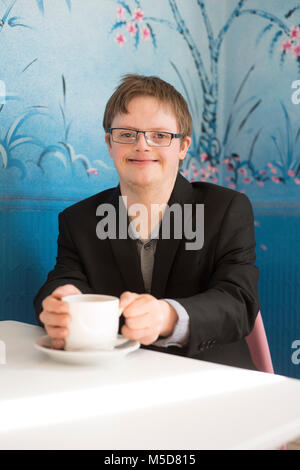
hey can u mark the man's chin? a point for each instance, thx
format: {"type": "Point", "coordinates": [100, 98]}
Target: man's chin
{"type": "Point", "coordinates": [145, 182]}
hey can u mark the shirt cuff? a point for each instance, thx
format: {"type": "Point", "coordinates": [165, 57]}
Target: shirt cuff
{"type": "Point", "coordinates": [181, 332]}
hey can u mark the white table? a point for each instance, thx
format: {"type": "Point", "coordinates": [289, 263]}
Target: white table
{"type": "Point", "coordinates": [147, 400]}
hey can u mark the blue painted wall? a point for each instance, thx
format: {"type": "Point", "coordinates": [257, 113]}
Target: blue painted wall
{"type": "Point", "coordinates": [235, 63]}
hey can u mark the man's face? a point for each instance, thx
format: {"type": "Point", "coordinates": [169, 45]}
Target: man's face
{"type": "Point", "coordinates": [138, 164]}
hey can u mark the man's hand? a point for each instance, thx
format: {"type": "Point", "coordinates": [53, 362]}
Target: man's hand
{"type": "Point", "coordinates": [55, 314]}
{"type": "Point", "coordinates": [146, 318]}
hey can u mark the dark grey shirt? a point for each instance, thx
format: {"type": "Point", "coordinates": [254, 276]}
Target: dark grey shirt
{"type": "Point", "coordinates": [146, 251]}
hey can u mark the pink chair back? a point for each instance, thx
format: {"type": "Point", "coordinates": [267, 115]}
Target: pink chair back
{"type": "Point", "coordinates": [259, 350]}
{"type": "Point", "coordinates": [259, 347]}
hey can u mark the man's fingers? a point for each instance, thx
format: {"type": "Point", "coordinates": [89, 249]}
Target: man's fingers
{"type": "Point", "coordinates": [54, 319]}
{"type": "Point", "coordinates": [56, 332]}
{"type": "Point", "coordinates": [55, 314]}
{"type": "Point", "coordinates": [134, 335]}
{"type": "Point", "coordinates": [67, 289]}
{"type": "Point", "coordinates": [58, 343]}
{"type": "Point", "coordinates": [139, 306]}
{"type": "Point", "coordinates": [139, 322]}
{"type": "Point", "coordinates": [51, 304]}
{"type": "Point", "coordinates": [127, 298]}
{"type": "Point", "coordinates": [143, 336]}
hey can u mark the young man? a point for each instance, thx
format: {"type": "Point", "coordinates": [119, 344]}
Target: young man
{"type": "Point", "coordinates": [198, 301]}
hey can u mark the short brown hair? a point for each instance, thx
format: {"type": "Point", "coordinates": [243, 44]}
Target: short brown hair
{"type": "Point", "coordinates": [133, 85]}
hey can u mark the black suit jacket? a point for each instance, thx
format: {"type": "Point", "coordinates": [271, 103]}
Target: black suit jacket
{"type": "Point", "coordinates": [217, 284]}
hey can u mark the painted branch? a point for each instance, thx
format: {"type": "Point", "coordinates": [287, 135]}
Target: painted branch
{"type": "Point", "coordinates": [227, 25]}
{"type": "Point", "coordinates": [237, 13]}
{"type": "Point", "coordinates": [207, 23]}
{"type": "Point", "coordinates": [181, 27]}
{"type": "Point", "coordinates": [267, 16]}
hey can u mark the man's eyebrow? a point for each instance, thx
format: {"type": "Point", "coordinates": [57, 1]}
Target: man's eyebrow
{"type": "Point", "coordinates": [151, 129]}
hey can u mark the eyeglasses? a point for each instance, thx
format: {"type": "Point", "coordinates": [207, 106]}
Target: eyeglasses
{"type": "Point", "coordinates": [153, 138]}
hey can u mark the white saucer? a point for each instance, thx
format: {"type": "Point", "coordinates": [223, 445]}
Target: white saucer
{"type": "Point", "coordinates": [123, 347]}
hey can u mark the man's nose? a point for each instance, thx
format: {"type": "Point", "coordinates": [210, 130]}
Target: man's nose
{"type": "Point", "coordinates": [141, 142]}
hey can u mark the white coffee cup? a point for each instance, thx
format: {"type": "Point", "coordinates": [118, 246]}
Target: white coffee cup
{"type": "Point", "coordinates": [94, 322]}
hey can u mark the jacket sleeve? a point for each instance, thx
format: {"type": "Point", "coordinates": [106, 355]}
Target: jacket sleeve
{"type": "Point", "coordinates": [68, 268]}
{"type": "Point", "coordinates": [226, 311]}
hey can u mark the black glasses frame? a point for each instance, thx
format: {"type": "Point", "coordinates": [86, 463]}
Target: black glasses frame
{"type": "Point", "coordinates": [173, 136]}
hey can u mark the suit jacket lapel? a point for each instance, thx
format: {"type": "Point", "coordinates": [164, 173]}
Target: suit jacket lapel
{"type": "Point", "coordinates": [125, 250]}
{"type": "Point", "coordinates": [166, 249]}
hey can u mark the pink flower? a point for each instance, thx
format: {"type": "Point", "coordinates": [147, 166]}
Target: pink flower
{"type": "Point", "coordinates": [270, 165]}
{"type": "Point", "coordinates": [214, 169]}
{"type": "Point", "coordinates": [294, 33]}
{"type": "Point", "coordinates": [275, 179]}
{"type": "Point", "coordinates": [264, 247]}
{"type": "Point", "coordinates": [205, 173]}
{"type": "Point", "coordinates": [131, 28]}
{"type": "Point", "coordinates": [256, 223]}
{"type": "Point", "coordinates": [138, 14]}
{"type": "Point", "coordinates": [120, 13]}
{"type": "Point", "coordinates": [243, 171]}
{"type": "Point", "coordinates": [193, 166]}
{"type": "Point", "coordinates": [273, 170]}
{"type": "Point", "coordinates": [192, 180]}
{"type": "Point", "coordinates": [226, 160]}
{"type": "Point", "coordinates": [203, 157]}
{"type": "Point", "coordinates": [229, 168]}
{"type": "Point", "coordinates": [121, 39]}
{"type": "Point", "coordinates": [286, 46]}
{"type": "Point", "coordinates": [228, 178]}
{"type": "Point", "coordinates": [247, 180]}
{"type": "Point", "coordinates": [260, 183]}
{"type": "Point", "coordinates": [232, 186]}
{"type": "Point", "coordinates": [297, 180]}
{"type": "Point", "coordinates": [296, 51]}
{"type": "Point", "coordinates": [291, 173]}
{"type": "Point", "coordinates": [196, 173]}
{"type": "Point", "coordinates": [186, 172]}
{"type": "Point", "coordinates": [146, 33]}
{"type": "Point", "coordinates": [215, 180]}
{"type": "Point", "coordinates": [92, 171]}
{"type": "Point", "coordinates": [262, 172]}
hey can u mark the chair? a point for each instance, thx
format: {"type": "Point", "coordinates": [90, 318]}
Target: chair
{"type": "Point", "coordinates": [259, 348]}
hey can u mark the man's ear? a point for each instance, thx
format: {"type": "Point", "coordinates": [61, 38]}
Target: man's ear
{"type": "Point", "coordinates": [108, 143]}
{"type": "Point", "coordinates": [184, 145]}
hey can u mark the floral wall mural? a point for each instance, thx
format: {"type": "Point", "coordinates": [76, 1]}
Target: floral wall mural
{"type": "Point", "coordinates": [209, 149]}
{"type": "Point", "coordinates": [212, 156]}
{"type": "Point", "coordinates": [237, 63]}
